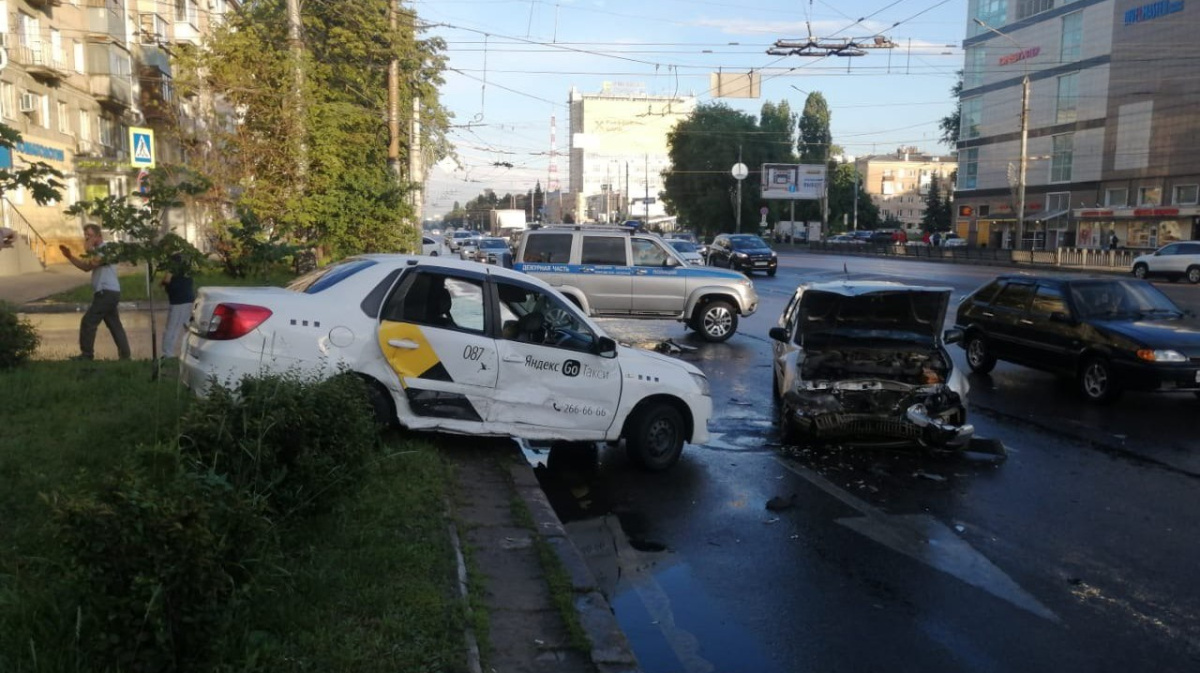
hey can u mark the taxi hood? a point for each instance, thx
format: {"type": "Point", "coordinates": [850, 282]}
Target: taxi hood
{"type": "Point", "coordinates": [868, 310]}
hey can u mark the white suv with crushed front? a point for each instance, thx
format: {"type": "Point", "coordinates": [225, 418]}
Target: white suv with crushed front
{"type": "Point", "coordinates": [612, 272]}
{"type": "Point", "coordinates": [456, 347]}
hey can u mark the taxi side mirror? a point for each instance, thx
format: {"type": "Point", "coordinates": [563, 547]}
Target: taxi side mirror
{"type": "Point", "coordinates": [606, 347]}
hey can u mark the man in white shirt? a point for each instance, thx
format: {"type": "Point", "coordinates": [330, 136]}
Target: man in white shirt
{"type": "Point", "coordinates": [106, 295]}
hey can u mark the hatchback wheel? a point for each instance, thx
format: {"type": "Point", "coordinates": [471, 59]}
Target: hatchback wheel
{"type": "Point", "coordinates": [1096, 382]}
{"type": "Point", "coordinates": [979, 356]}
{"type": "Point", "coordinates": [655, 439]}
{"type": "Point", "coordinates": [717, 321]}
{"type": "Point", "coordinates": [1140, 270]}
{"type": "Point", "coordinates": [1193, 274]}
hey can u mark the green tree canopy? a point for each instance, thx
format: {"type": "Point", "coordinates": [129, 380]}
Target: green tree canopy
{"type": "Point", "coordinates": [951, 123]}
{"type": "Point", "coordinates": [815, 138]}
{"type": "Point", "coordinates": [841, 201]}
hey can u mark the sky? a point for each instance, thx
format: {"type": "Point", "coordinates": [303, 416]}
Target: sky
{"type": "Point", "coordinates": [512, 63]}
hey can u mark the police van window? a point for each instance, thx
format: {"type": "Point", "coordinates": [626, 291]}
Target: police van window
{"type": "Point", "coordinates": [548, 249]}
{"type": "Point", "coordinates": [608, 250]}
{"type": "Point", "coordinates": [648, 253]}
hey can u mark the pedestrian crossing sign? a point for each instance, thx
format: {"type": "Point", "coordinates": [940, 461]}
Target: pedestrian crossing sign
{"type": "Point", "coordinates": [141, 147]}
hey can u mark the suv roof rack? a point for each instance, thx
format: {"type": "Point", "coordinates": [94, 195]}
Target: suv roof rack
{"type": "Point", "coordinates": [622, 229]}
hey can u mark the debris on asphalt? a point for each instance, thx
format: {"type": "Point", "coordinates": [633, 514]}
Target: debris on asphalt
{"type": "Point", "coordinates": [928, 475]}
{"type": "Point", "coordinates": [780, 503]}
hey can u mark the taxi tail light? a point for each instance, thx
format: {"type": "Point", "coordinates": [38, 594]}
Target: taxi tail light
{"type": "Point", "coordinates": [231, 321]}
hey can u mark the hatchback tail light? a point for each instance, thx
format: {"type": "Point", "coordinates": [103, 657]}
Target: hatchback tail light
{"type": "Point", "coordinates": [230, 321]}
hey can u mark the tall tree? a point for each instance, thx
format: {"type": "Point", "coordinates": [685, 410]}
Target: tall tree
{"type": "Point", "coordinates": [351, 202]}
{"type": "Point", "coordinates": [951, 123]}
{"type": "Point", "coordinates": [698, 188]}
{"type": "Point", "coordinates": [815, 137]}
{"type": "Point", "coordinates": [841, 200]}
{"type": "Point", "coordinates": [937, 205]}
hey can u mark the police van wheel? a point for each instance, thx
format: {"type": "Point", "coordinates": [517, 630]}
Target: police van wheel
{"type": "Point", "coordinates": [716, 321]}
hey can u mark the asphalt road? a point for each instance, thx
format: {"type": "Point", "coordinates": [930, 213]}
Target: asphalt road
{"type": "Point", "coordinates": [1077, 553]}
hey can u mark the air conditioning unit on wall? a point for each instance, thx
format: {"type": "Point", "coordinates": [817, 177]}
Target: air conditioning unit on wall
{"type": "Point", "coordinates": [28, 103]}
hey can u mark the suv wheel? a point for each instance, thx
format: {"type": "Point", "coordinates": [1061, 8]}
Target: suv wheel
{"type": "Point", "coordinates": [1193, 274]}
{"type": "Point", "coordinates": [1140, 270]}
{"type": "Point", "coordinates": [716, 321]}
{"type": "Point", "coordinates": [1096, 382]}
{"type": "Point", "coordinates": [979, 356]}
{"type": "Point", "coordinates": [655, 439]}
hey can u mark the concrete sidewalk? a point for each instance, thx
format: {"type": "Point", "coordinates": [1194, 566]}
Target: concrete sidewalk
{"type": "Point", "coordinates": [34, 285]}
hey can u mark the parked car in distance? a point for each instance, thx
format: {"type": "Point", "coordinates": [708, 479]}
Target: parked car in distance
{"type": "Point", "coordinates": [430, 246]}
{"type": "Point", "coordinates": [953, 241]}
{"type": "Point", "coordinates": [1173, 261]}
{"type": "Point", "coordinates": [615, 272]}
{"type": "Point", "coordinates": [845, 239]}
{"type": "Point", "coordinates": [455, 240]}
{"type": "Point", "coordinates": [743, 252]}
{"type": "Point", "coordinates": [701, 247]}
{"type": "Point", "coordinates": [1108, 334]}
{"type": "Point", "coordinates": [491, 250]}
{"type": "Point", "coordinates": [864, 362]}
{"type": "Point", "coordinates": [689, 251]}
{"type": "Point", "coordinates": [454, 347]}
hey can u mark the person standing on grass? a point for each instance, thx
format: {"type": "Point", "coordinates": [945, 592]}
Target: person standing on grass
{"type": "Point", "coordinates": [106, 295]}
{"type": "Point", "coordinates": [180, 293]}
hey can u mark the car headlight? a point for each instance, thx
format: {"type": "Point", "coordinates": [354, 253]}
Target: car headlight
{"type": "Point", "coordinates": [740, 255]}
{"type": "Point", "coordinates": [1161, 355]}
{"type": "Point", "coordinates": [702, 382]}
{"type": "Point", "coordinates": [772, 254]}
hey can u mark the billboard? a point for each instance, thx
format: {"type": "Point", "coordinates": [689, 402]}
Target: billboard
{"type": "Point", "coordinates": [735, 84]}
{"type": "Point", "coordinates": [793, 182]}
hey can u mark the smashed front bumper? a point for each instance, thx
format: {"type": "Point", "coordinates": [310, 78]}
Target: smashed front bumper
{"type": "Point", "coordinates": [824, 419]}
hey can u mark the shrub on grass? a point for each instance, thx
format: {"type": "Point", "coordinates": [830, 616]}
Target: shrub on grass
{"type": "Point", "coordinates": [296, 442]}
{"type": "Point", "coordinates": [18, 338]}
{"type": "Point", "coordinates": [159, 567]}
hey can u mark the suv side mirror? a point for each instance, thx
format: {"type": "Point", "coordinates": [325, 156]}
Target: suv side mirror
{"type": "Point", "coordinates": [778, 334]}
{"type": "Point", "coordinates": [606, 347]}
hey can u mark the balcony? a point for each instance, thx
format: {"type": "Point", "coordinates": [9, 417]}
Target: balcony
{"type": "Point", "coordinates": [186, 32]}
{"type": "Point", "coordinates": [157, 95]}
{"type": "Point", "coordinates": [41, 61]}
{"type": "Point", "coordinates": [104, 23]}
{"type": "Point", "coordinates": [44, 4]}
{"type": "Point", "coordinates": [112, 91]}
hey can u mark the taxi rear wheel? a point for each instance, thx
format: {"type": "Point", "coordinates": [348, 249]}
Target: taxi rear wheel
{"type": "Point", "coordinates": [655, 437]}
{"type": "Point", "coordinates": [716, 321]}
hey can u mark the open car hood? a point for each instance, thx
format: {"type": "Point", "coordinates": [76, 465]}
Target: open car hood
{"type": "Point", "coordinates": [865, 311]}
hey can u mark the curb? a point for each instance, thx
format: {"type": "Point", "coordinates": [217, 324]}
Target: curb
{"type": "Point", "coordinates": [68, 307]}
{"type": "Point", "coordinates": [611, 651]}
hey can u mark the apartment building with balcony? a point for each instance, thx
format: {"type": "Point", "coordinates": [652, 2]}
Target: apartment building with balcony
{"type": "Point", "coordinates": [80, 73]}
{"type": "Point", "coordinates": [1112, 140]}
{"type": "Point", "coordinates": [898, 183]}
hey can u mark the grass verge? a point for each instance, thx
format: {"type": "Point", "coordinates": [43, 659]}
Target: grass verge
{"type": "Point", "coordinates": [561, 592]}
{"type": "Point", "coordinates": [366, 586]}
{"type": "Point", "coordinates": [133, 284]}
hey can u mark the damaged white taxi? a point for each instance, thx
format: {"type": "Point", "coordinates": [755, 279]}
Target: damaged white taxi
{"type": "Point", "coordinates": [864, 363]}
{"type": "Point", "coordinates": [455, 347]}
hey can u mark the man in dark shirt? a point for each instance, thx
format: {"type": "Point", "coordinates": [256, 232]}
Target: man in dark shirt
{"type": "Point", "coordinates": [180, 293]}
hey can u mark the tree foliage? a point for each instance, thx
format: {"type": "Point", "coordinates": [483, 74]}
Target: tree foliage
{"type": "Point", "coordinates": [699, 188]}
{"type": "Point", "coordinates": [951, 123]}
{"type": "Point", "coordinates": [344, 197]}
{"type": "Point", "coordinates": [815, 138]}
{"type": "Point", "coordinates": [937, 205]}
{"type": "Point", "coordinates": [841, 201]}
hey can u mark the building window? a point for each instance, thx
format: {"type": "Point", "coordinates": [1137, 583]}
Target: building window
{"type": "Point", "coordinates": [1030, 7]}
{"type": "Point", "coordinates": [85, 126]}
{"type": "Point", "coordinates": [185, 12]}
{"type": "Point", "coordinates": [108, 131]}
{"type": "Point", "coordinates": [1072, 37]}
{"type": "Point", "coordinates": [64, 118]}
{"type": "Point", "coordinates": [8, 100]}
{"type": "Point", "coordinates": [1117, 196]}
{"type": "Point", "coordinates": [1149, 196]}
{"type": "Point", "coordinates": [80, 61]}
{"type": "Point", "coordinates": [968, 161]}
{"type": "Point", "coordinates": [992, 12]}
{"type": "Point", "coordinates": [45, 112]}
{"type": "Point", "coordinates": [1057, 202]}
{"type": "Point", "coordinates": [1068, 98]}
{"type": "Point", "coordinates": [1061, 157]}
{"type": "Point", "coordinates": [1186, 195]}
{"type": "Point", "coordinates": [973, 72]}
{"type": "Point", "coordinates": [972, 116]}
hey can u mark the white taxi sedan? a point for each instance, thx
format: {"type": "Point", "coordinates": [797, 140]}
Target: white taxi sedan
{"type": "Point", "coordinates": [455, 347]}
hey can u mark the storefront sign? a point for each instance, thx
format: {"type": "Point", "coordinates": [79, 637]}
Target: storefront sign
{"type": "Point", "coordinates": [1020, 55]}
{"type": "Point", "coordinates": [41, 151]}
{"type": "Point", "coordinates": [1153, 10]}
{"type": "Point", "coordinates": [1155, 212]}
{"type": "Point", "coordinates": [1096, 213]}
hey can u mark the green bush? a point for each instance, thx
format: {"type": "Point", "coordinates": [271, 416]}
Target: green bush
{"type": "Point", "coordinates": [296, 442]}
{"type": "Point", "coordinates": [18, 338]}
{"type": "Point", "coordinates": [158, 568]}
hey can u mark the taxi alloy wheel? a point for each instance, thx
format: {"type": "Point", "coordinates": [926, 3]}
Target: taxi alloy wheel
{"type": "Point", "coordinates": [718, 321]}
{"type": "Point", "coordinates": [656, 440]}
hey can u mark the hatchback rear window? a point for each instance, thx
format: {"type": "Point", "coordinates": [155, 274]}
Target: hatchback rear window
{"type": "Point", "coordinates": [327, 277]}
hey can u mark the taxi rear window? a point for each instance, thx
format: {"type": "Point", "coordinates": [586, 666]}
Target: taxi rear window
{"type": "Point", "coordinates": [326, 277]}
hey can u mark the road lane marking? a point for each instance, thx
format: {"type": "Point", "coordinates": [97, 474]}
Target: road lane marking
{"type": "Point", "coordinates": [925, 539]}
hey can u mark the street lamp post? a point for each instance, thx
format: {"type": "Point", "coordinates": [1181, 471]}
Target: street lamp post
{"type": "Point", "coordinates": [1021, 161]}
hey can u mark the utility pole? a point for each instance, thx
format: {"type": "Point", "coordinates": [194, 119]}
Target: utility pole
{"type": "Point", "coordinates": [739, 194]}
{"type": "Point", "coordinates": [856, 196]}
{"type": "Point", "coordinates": [393, 156]}
{"type": "Point", "coordinates": [625, 194]}
{"type": "Point", "coordinates": [296, 47]}
{"type": "Point", "coordinates": [647, 201]}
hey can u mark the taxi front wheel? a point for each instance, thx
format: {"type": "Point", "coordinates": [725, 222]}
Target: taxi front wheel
{"type": "Point", "coordinates": [655, 437]}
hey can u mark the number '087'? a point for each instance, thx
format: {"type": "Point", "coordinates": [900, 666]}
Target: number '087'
{"type": "Point", "coordinates": [472, 352]}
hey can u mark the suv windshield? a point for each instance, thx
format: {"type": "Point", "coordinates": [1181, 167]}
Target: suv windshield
{"type": "Point", "coordinates": [747, 242]}
{"type": "Point", "coordinates": [1120, 298]}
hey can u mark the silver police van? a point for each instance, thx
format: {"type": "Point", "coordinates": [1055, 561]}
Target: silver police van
{"type": "Point", "coordinates": [613, 272]}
